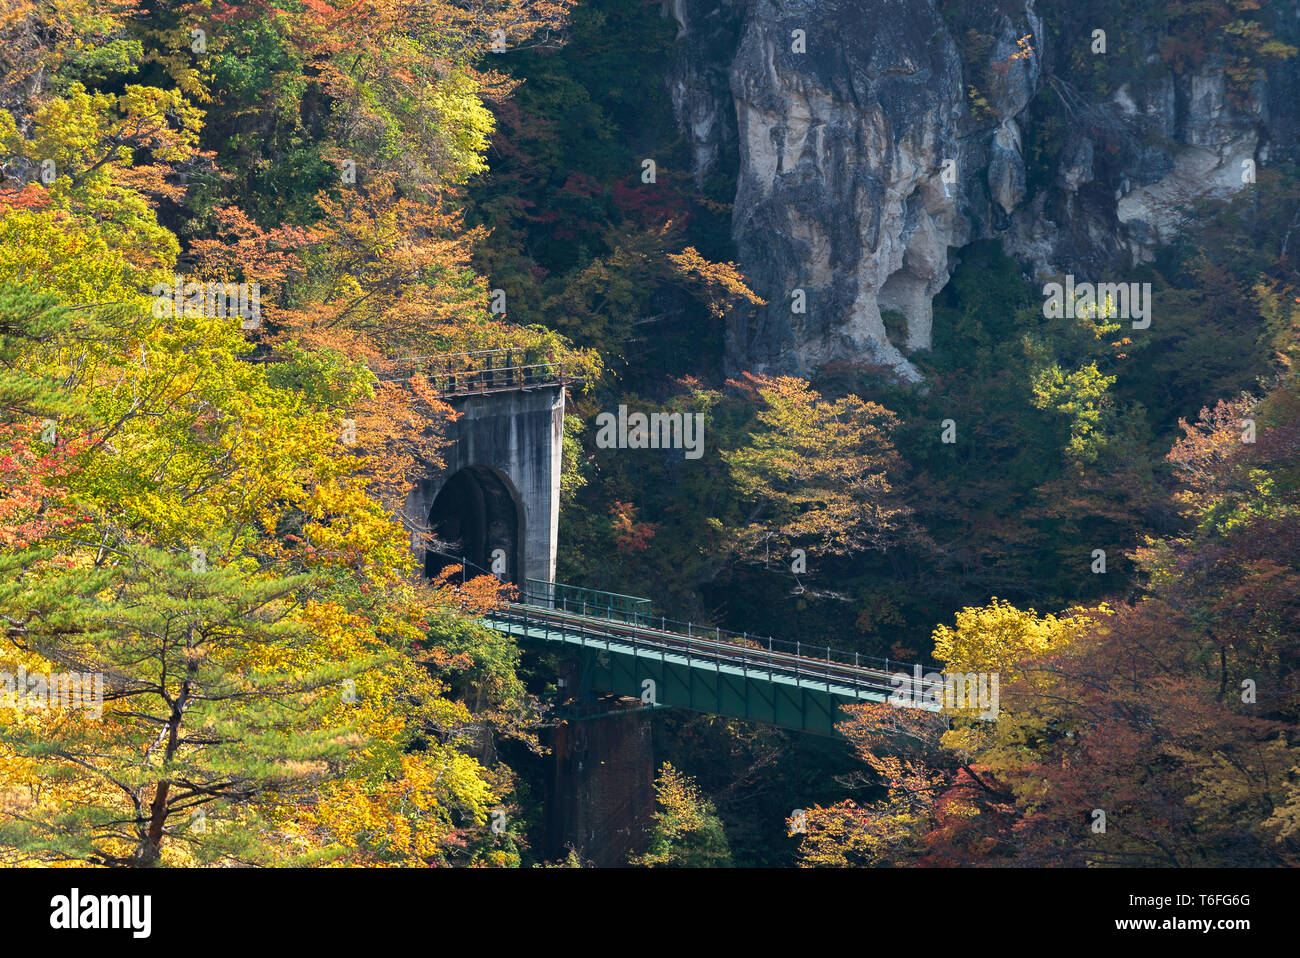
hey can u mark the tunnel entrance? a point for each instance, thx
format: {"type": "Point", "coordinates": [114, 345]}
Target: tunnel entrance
{"type": "Point", "coordinates": [477, 516]}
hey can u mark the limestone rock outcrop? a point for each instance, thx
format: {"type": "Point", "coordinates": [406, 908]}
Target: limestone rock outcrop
{"type": "Point", "coordinates": [871, 147]}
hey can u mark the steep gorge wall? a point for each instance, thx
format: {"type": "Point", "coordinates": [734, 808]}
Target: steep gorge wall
{"type": "Point", "coordinates": [866, 162]}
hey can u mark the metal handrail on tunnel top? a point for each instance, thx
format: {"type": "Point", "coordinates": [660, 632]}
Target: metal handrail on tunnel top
{"type": "Point", "coordinates": [495, 351]}
{"type": "Point", "coordinates": [474, 371]}
{"type": "Point", "coordinates": [477, 380]}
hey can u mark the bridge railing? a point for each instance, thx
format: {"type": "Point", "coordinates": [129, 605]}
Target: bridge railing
{"type": "Point", "coordinates": [591, 603]}
{"type": "Point", "coordinates": [480, 371]}
{"type": "Point", "coordinates": [702, 650]}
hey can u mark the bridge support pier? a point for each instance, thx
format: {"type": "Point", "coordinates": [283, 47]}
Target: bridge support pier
{"type": "Point", "coordinates": [602, 789]}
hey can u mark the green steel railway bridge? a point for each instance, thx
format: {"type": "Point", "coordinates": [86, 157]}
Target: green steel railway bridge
{"type": "Point", "coordinates": [625, 650]}
{"type": "Point", "coordinates": [492, 508]}
{"type": "Point", "coordinates": [500, 501]}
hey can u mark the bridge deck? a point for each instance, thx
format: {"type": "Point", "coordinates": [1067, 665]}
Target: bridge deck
{"type": "Point", "coordinates": [743, 680]}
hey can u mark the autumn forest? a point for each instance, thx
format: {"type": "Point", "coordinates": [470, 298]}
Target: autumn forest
{"type": "Point", "coordinates": [230, 230]}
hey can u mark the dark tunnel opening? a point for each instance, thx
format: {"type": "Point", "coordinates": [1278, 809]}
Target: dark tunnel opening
{"type": "Point", "coordinates": [476, 517]}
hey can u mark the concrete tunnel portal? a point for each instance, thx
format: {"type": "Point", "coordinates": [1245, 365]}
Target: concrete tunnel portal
{"type": "Point", "coordinates": [498, 489]}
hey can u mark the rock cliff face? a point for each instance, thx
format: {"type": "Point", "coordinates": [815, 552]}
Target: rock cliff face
{"type": "Point", "coordinates": [871, 148]}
